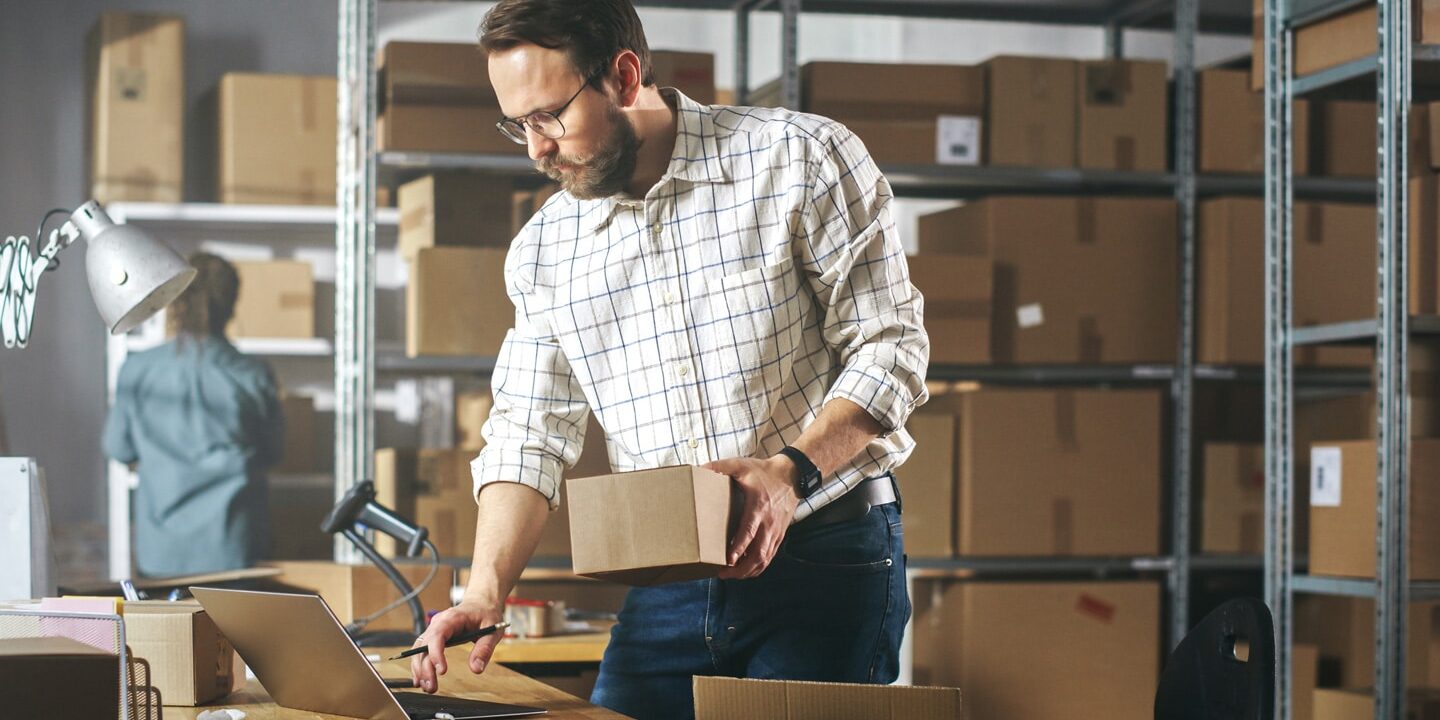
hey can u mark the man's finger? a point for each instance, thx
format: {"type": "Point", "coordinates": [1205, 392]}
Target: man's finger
{"type": "Point", "coordinates": [727, 466]}
{"type": "Point", "coordinates": [480, 654]}
{"type": "Point", "coordinates": [745, 534]}
{"type": "Point", "coordinates": [435, 644]}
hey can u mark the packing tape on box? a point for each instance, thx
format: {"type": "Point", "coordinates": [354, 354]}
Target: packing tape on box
{"type": "Point", "coordinates": [308, 94]}
{"type": "Point", "coordinates": [1062, 526]}
{"type": "Point", "coordinates": [1124, 152]}
{"type": "Point", "coordinates": [1252, 537]}
{"type": "Point", "coordinates": [1087, 232]}
{"type": "Point", "coordinates": [294, 300]}
{"type": "Point", "coordinates": [1066, 433]}
{"type": "Point", "coordinates": [1091, 342]}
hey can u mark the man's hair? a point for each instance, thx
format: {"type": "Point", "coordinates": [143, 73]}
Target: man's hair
{"type": "Point", "coordinates": [205, 308]}
{"type": "Point", "coordinates": [590, 32]}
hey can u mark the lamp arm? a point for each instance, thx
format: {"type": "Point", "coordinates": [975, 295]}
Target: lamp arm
{"type": "Point", "coordinates": [20, 269]}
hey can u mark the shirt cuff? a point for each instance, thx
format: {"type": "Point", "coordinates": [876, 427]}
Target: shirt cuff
{"type": "Point", "coordinates": [880, 393]}
{"type": "Point", "coordinates": [540, 472]}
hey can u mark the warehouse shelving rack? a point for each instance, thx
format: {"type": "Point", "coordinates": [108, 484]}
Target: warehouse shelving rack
{"type": "Point", "coordinates": [1399, 73]}
{"type": "Point", "coordinates": [360, 167]}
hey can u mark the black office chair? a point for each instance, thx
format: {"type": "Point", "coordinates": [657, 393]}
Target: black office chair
{"type": "Point", "coordinates": [1224, 669]}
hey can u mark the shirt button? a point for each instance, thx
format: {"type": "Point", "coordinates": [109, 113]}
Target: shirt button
{"type": "Point", "coordinates": [682, 369]}
{"type": "Point", "coordinates": [694, 443]}
{"type": "Point", "coordinates": [656, 229]}
{"type": "Point", "coordinates": [669, 297]}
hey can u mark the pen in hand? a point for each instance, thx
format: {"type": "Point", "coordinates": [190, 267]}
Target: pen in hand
{"type": "Point", "coordinates": [460, 639]}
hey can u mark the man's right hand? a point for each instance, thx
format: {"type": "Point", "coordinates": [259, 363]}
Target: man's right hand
{"type": "Point", "coordinates": [467, 616]}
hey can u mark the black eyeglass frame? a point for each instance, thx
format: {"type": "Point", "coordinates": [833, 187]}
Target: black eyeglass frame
{"type": "Point", "coordinates": [514, 128]}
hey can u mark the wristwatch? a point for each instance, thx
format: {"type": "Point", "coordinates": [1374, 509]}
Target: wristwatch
{"type": "Point", "coordinates": [809, 480]}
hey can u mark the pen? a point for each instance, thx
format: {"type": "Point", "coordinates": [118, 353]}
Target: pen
{"type": "Point", "coordinates": [460, 639]}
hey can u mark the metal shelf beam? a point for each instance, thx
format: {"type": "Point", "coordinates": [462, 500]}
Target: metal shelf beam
{"type": "Point", "coordinates": [1358, 587]}
{"type": "Point", "coordinates": [1361, 332]}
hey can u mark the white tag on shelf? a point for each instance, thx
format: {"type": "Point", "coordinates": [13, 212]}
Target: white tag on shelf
{"type": "Point", "coordinates": [1029, 316]}
{"type": "Point", "coordinates": [957, 140]}
{"type": "Point", "coordinates": [1325, 477]}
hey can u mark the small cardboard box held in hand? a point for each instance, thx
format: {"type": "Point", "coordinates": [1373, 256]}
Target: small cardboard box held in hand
{"type": "Point", "coordinates": [191, 663]}
{"type": "Point", "coordinates": [651, 526]}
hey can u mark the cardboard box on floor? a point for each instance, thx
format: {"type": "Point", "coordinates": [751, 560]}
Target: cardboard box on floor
{"type": "Point", "coordinates": [1343, 631]}
{"type": "Point", "coordinates": [1077, 280]}
{"type": "Point", "coordinates": [1030, 111]}
{"type": "Point", "coordinates": [57, 677]}
{"type": "Point", "coordinates": [1231, 135]}
{"type": "Point", "coordinates": [727, 698]}
{"type": "Point", "coordinates": [135, 102]}
{"type": "Point", "coordinates": [692, 73]}
{"type": "Point", "coordinates": [1233, 499]}
{"type": "Point", "coordinates": [455, 302]}
{"type": "Point", "coordinates": [1338, 704]}
{"type": "Point", "coordinates": [1058, 472]}
{"type": "Point", "coordinates": [927, 481]}
{"type": "Point", "coordinates": [1027, 650]}
{"type": "Point", "coordinates": [191, 662]}
{"type": "Point", "coordinates": [454, 209]}
{"type": "Point", "coordinates": [1123, 115]}
{"type": "Point", "coordinates": [277, 300]}
{"type": "Point", "coordinates": [277, 139]}
{"type": "Point", "coordinates": [650, 526]}
{"type": "Point", "coordinates": [1342, 509]}
{"type": "Point", "coordinates": [955, 275]}
{"type": "Point", "coordinates": [354, 591]}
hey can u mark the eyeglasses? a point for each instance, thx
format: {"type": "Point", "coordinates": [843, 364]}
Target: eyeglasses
{"type": "Point", "coordinates": [546, 124]}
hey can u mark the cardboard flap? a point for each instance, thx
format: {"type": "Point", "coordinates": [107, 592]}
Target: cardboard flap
{"type": "Point", "coordinates": [724, 698]}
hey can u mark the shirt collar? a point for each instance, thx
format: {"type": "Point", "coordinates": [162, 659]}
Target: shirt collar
{"type": "Point", "coordinates": [696, 157]}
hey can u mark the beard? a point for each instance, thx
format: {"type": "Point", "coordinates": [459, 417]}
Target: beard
{"type": "Point", "coordinates": [606, 172]}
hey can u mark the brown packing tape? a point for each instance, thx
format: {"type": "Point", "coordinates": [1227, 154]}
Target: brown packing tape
{"type": "Point", "coordinates": [1066, 433]}
{"type": "Point", "coordinates": [1107, 83]}
{"type": "Point", "coordinates": [1092, 344]}
{"type": "Point", "coordinates": [308, 94]}
{"type": "Point", "coordinates": [295, 300]}
{"type": "Point", "coordinates": [1088, 226]}
{"type": "Point", "coordinates": [1125, 152]}
{"type": "Point", "coordinates": [1315, 226]}
{"type": "Point", "coordinates": [1062, 526]}
{"type": "Point", "coordinates": [1251, 533]}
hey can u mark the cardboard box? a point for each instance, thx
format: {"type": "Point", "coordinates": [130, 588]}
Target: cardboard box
{"type": "Point", "coordinates": [1338, 704]}
{"type": "Point", "coordinates": [525, 203]}
{"type": "Point", "coordinates": [455, 302]}
{"type": "Point", "coordinates": [1232, 126]}
{"type": "Point", "coordinates": [354, 591]}
{"type": "Point", "coordinates": [57, 677]}
{"type": "Point", "coordinates": [443, 128]}
{"type": "Point", "coordinates": [1027, 650]}
{"type": "Point", "coordinates": [927, 483]}
{"type": "Point", "coordinates": [727, 698]}
{"type": "Point", "coordinates": [406, 477]}
{"type": "Point", "coordinates": [650, 526]}
{"type": "Point", "coordinates": [594, 460]}
{"type": "Point", "coordinates": [472, 409]}
{"type": "Point", "coordinates": [1059, 472]}
{"type": "Point", "coordinates": [692, 73]}
{"type": "Point", "coordinates": [277, 300]}
{"type": "Point", "coordinates": [277, 139]}
{"type": "Point", "coordinates": [955, 274]}
{"type": "Point", "coordinates": [1342, 509]}
{"type": "Point", "coordinates": [450, 520]}
{"type": "Point", "coordinates": [1344, 142]}
{"type": "Point", "coordinates": [136, 97]}
{"type": "Point", "coordinates": [1079, 280]}
{"type": "Point", "coordinates": [1351, 35]}
{"type": "Point", "coordinates": [1342, 629]}
{"type": "Point", "coordinates": [1123, 116]}
{"type": "Point", "coordinates": [435, 74]}
{"type": "Point", "coordinates": [1233, 499]}
{"type": "Point", "coordinates": [454, 209]}
{"type": "Point", "coordinates": [303, 451]}
{"type": "Point", "coordinates": [1304, 671]}
{"type": "Point", "coordinates": [1030, 112]}
{"type": "Point", "coordinates": [191, 662]}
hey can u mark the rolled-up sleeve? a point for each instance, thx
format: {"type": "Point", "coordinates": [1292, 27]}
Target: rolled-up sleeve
{"type": "Point", "coordinates": [537, 425]}
{"type": "Point", "coordinates": [856, 266]}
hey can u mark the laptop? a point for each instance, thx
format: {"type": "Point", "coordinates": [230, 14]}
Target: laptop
{"type": "Point", "coordinates": [299, 651]}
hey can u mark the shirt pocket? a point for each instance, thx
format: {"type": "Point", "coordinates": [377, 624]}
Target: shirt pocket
{"type": "Point", "coordinates": [760, 316]}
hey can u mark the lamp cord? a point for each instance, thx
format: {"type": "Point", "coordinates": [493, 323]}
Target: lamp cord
{"type": "Point", "coordinates": [20, 268]}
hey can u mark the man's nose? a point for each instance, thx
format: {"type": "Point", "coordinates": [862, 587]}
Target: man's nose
{"type": "Point", "coordinates": [539, 145]}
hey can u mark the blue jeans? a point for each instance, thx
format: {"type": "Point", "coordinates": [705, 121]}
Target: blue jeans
{"type": "Point", "coordinates": [832, 606]}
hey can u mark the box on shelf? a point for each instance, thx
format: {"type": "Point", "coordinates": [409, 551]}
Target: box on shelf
{"type": "Point", "coordinates": [450, 520]}
{"type": "Point", "coordinates": [277, 300]}
{"type": "Point", "coordinates": [727, 698]}
{"type": "Point", "coordinates": [1342, 509]}
{"type": "Point", "coordinates": [1304, 672]}
{"type": "Point", "coordinates": [692, 73]}
{"type": "Point", "coordinates": [1343, 704]}
{"type": "Point", "coordinates": [454, 209]}
{"type": "Point", "coordinates": [302, 451]}
{"type": "Point", "coordinates": [1027, 650]}
{"type": "Point", "coordinates": [136, 98]}
{"type": "Point", "coordinates": [525, 203]}
{"type": "Point", "coordinates": [1123, 116]}
{"type": "Point", "coordinates": [434, 73]}
{"type": "Point", "coordinates": [277, 139]}
{"type": "Point", "coordinates": [191, 662]}
{"type": "Point", "coordinates": [955, 274]}
{"type": "Point", "coordinates": [927, 482]}
{"type": "Point", "coordinates": [472, 409]}
{"type": "Point", "coordinates": [455, 302]}
{"type": "Point", "coordinates": [354, 591]}
{"type": "Point", "coordinates": [1231, 135]}
{"type": "Point", "coordinates": [1058, 472]}
{"type": "Point", "coordinates": [650, 526]}
{"type": "Point", "coordinates": [1030, 112]}
{"type": "Point", "coordinates": [401, 474]}
{"type": "Point", "coordinates": [1233, 504]}
{"type": "Point", "coordinates": [1350, 35]}
{"type": "Point", "coordinates": [1342, 629]}
{"type": "Point", "coordinates": [57, 677]}
{"type": "Point", "coordinates": [1344, 135]}
{"type": "Point", "coordinates": [1079, 280]}
{"type": "Point", "coordinates": [442, 129]}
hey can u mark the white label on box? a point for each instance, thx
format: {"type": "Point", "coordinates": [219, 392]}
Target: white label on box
{"type": "Point", "coordinates": [1030, 316]}
{"type": "Point", "coordinates": [957, 140]}
{"type": "Point", "coordinates": [1325, 477]}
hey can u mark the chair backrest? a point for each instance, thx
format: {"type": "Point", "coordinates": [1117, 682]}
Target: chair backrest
{"type": "Point", "coordinates": [1224, 668]}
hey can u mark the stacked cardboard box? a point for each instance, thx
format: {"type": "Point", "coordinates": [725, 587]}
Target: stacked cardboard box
{"type": "Point", "coordinates": [355, 591]}
{"type": "Point", "coordinates": [277, 300]}
{"type": "Point", "coordinates": [1342, 629]}
{"type": "Point", "coordinates": [1233, 499]}
{"type": "Point", "coordinates": [1123, 115]}
{"type": "Point", "coordinates": [927, 482]}
{"type": "Point", "coordinates": [454, 210]}
{"type": "Point", "coordinates": [692, 73]}
{"type": "Point", "coordinates": [1028, 650]}
{"type": "Point", "coordinates": [436, 97]}
{"type": "Point", "coordinates": [1030, 111]}
{"type": "Point", "coordinates": [191, 663]}
{"type": "Point", "coordinates": [1076, 280]}
{"type": "Point", "coordinates": [277, 139]}
{"type": "Point", "coordinates": [135, 99]}
{"type": "Point", "coordinates": [455, 302]}
{"type": "Point", "coordinates": [1231, 135]}
{"type": "Point", "coordinates": [955, 275]}
{"type": "Point", "coordinates": [1342, 509]}
{"type": "Point", "coordinates": [1345, 704]}
{"type": "Point", "coordinates": [1337, 39]}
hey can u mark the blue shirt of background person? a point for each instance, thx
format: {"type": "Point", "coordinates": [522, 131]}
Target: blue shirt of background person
{"type": "Point", "coordinates": [201, 423]}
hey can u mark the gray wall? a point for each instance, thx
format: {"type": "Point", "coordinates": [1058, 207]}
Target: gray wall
{"type": "Point", "coordinates": [52, 394]}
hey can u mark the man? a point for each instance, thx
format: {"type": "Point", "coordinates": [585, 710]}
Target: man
{"type": "Point", "coordinates": [721, 287]}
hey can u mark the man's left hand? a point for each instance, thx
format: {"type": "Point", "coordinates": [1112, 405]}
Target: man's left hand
{"type": "Point", "coordinates": [770, 502]}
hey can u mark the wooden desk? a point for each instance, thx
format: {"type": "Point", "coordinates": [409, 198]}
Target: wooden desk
{"type": "Point", "coordinates": [578, 648]}
{"type": "Point", "coordinates": [497, 684]}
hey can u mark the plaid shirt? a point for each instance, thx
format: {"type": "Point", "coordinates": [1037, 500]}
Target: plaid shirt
{"type": "Point", "coordinates": [759, 279]}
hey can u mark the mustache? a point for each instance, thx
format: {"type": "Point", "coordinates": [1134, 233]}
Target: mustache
{"type": "Point", "coordinates": [547, 165]}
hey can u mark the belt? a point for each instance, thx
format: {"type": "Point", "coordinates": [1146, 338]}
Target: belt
{"type": "Point", "coordinates": [853, 505]}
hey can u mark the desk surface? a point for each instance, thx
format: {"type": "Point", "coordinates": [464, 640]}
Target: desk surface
{"type": "Point", "coordinates": [576, 648]}
{"type": "Point", "coordinates": [497, 684]}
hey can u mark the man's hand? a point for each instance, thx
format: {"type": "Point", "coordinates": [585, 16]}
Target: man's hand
{"type": "Point", "coordinates": [459, 619]}
{"type": "Point", "coordinates": [770, 501]}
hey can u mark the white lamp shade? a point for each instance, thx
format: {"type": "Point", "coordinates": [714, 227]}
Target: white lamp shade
{"type": "Point", "coordinates": [132, 275]}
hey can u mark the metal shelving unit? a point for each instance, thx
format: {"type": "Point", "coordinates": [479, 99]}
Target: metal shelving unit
{"type": "Point", "coordinates": [1387, 77]}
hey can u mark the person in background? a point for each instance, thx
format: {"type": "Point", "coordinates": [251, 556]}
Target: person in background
{"type": "Point", "coordinates": [201, 423]}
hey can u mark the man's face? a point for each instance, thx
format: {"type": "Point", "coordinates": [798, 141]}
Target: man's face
{"type": "Point", "coordinates": [596, 156]}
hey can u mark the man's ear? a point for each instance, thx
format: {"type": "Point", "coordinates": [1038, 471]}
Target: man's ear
{"type": "Point", "coordinates": [625, 77]}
